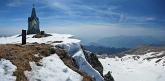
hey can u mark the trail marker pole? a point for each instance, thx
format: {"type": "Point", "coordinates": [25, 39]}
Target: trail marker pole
{"type": "Point", "coordinates": [23, 37]}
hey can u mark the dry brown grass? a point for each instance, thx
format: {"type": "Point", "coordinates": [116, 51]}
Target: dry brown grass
{"type": "Point", "coordinates": [21, 55]}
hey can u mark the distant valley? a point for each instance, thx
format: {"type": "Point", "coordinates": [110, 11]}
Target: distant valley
{"type": "Point", "coordinates": [118, 44]}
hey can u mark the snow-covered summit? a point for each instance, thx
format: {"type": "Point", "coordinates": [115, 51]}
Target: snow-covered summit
{"type": "Point", "coordinates": [66, 41]}
{"type": "Point", "coordinates": [65, 38]}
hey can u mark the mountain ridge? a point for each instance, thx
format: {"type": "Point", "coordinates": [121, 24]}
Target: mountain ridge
{"type": "Point", "coordinates": [73, 51]}
{"type": "Point", "coordinates": [129, 41]}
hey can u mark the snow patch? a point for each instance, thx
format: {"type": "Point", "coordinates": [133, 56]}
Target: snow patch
{"type": "Point", "coordinates": [65, 38]}
{"type": "Point", "coordinates": [6, 70]}
{"type": "Point", "coordinates": [52, 69]}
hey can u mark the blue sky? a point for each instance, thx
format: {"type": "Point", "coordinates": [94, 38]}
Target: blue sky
{"type": "Point", "coordinates": [88, 19]}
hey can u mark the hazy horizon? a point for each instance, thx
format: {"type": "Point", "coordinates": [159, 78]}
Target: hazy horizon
{"type": "Point", "coordinates": [90, 20]}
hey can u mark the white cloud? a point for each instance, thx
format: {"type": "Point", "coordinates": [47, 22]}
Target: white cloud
{"type": "Point", "coordinates": [77, 7]}
{"type": "Point", "coordinates": [79, 10]}
{"type": "Point", "coordinates": [97, 31]}
{"type": "Point", "coordinates": [16, 3]}
{"type": "Point", "coordinates": [135, 19]}
{"type": "Point", "coordinates": [13, 3]}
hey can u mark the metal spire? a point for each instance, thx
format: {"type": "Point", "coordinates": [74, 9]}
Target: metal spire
{"type": "Point", "coordinates": [33, 11]}
{"type": "Point", "coordinates": [33, 5]}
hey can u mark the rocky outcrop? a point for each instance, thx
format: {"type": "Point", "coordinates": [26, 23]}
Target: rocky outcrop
{"type": "Point", "coordinates": [70, 62]}
{"type": "Point", "coordinates": [96, 64]}
{"type": "Point", "coordinates": [143, 50]}
{"type": "Point", "coordinates": [39, 35]}
{"type": "Point", "coordinates": [108, 77]}
{"type": "Point", "coordinates": [93, 61]}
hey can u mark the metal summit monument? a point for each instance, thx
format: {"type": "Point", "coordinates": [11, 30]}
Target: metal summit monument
{"type": "Point", "coordinates": [33, 23]}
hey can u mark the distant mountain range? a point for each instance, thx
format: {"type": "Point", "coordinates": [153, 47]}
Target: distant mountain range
{"type": "Point", "coordinates": [129, 41]}
{"type": "Point", "coordinates": [118, 44]}
{"type": "Point", "coordinates": [4, 35]}
{"type": "Point", "coordinates": [105, 50]}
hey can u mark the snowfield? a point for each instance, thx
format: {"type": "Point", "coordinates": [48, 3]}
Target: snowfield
{"type": "Point", "coordinates": [6, 70]}
{"type": "Point", "coordinates": [130, 68]}
{"type": "Point", "coordinates": [47, 71]}
{"type": "Point", "coordinates": [66, 38]}
{"type": "Point", "coordinates": [52, 69]}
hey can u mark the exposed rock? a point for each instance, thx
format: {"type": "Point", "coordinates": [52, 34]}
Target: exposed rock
{"type": "Point", "coordinates": [96, 64]}
{"type": "Point", "coordinates": [93, 61]}
{"type": "Point", "coordinates": [40, 35]}
{"type": "Point", "coordinates": [108, 77]}
{"type": "Point", "coordinates": [70, 62]}
{"type": "Point", "coordinates": [143, 50]}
